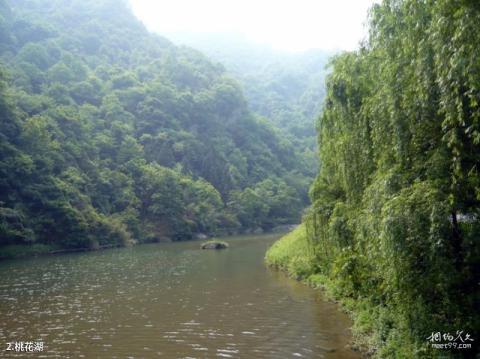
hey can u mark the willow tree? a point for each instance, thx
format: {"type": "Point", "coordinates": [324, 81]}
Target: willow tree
{"type": "Point", "coordinates": [396, 205]}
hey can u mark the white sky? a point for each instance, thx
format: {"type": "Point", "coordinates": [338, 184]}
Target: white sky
{"type": "Point", "coordinates": [294, 25]}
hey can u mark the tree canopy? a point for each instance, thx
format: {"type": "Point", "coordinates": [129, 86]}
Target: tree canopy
{"type": "Point", "coordinates": [395, 219]}
{"type": "Point", "coordinates": [111, 134]}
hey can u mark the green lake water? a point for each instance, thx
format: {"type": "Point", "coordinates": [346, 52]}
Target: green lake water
{"type": "Point", "coordinates": [168, 300]}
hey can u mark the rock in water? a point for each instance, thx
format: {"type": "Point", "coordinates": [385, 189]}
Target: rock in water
{"type": "Point", "coordinates": [214, 245]}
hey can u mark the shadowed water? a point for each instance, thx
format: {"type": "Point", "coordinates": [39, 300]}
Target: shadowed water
{"type": "Point", "coordinates": [167, 300]}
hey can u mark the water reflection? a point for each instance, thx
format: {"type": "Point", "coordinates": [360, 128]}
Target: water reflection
{"type": "Point", "coordinates": [167, 300]}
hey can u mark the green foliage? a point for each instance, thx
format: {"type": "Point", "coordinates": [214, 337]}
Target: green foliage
{"type": "Point", "coordinates": [292, 253]}
{"type": "Point", "coordinates": [19, 251]}
{"type": "Point", "coordinates": [263, 206]}
{"type": "Point", "coordinates": [109, 134]}
{"type": "Point", "coordinates": [395, 218]}
{"type": "Point", "coordinates": [285, 88]}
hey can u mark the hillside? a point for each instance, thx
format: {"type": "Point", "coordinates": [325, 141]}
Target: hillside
{"type": "Point", "coordinates": [287, 88]}
{"type": "Point", "coordinates": [111, 134]}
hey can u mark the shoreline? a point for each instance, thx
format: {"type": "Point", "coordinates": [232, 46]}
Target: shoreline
{"type": "Point", "coordinates": [288, 260]}
{"type": "Point", "coordinates": [23, 251]}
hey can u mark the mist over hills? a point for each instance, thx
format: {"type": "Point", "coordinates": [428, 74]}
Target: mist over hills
{"type": "Point", "coordinates": [287, 88]}
{"type": "Point", "coordinates": [111, 132]}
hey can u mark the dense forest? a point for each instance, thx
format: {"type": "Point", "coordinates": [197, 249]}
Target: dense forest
{"type": "Point", "coordinates": [110, 134]}
{"type": "Point", "coordinates": [394, 227]}
{"type": "Point", "coordinates": [287, 88]}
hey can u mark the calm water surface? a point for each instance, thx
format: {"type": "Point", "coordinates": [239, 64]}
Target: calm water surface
{"type": "Point", "coordinates": [168, 300]}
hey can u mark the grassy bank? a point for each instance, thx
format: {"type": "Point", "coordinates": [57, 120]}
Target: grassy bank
{"type": "Point", "coordinates": [293, 254]}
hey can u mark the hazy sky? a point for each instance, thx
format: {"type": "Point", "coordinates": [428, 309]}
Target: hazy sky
{"type": "Point", "coordinates": [284, 24]}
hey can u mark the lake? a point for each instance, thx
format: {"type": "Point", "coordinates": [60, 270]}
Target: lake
{"type": "Point", "coordinates": [169, 300]}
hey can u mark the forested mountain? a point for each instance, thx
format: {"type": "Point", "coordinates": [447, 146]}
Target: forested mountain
{"type": "Point", "coordinates": [287, 88]}
{"type": "Point", "coordinates": [394, 229]}
{"type": "Point", "coordinates": [109, 133]}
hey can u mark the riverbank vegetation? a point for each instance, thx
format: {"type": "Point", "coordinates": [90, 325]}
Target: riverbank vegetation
{"type": "Point", "coordinates": [110, 135]}
{"type": "Point", "coordinates": [394, 227]}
